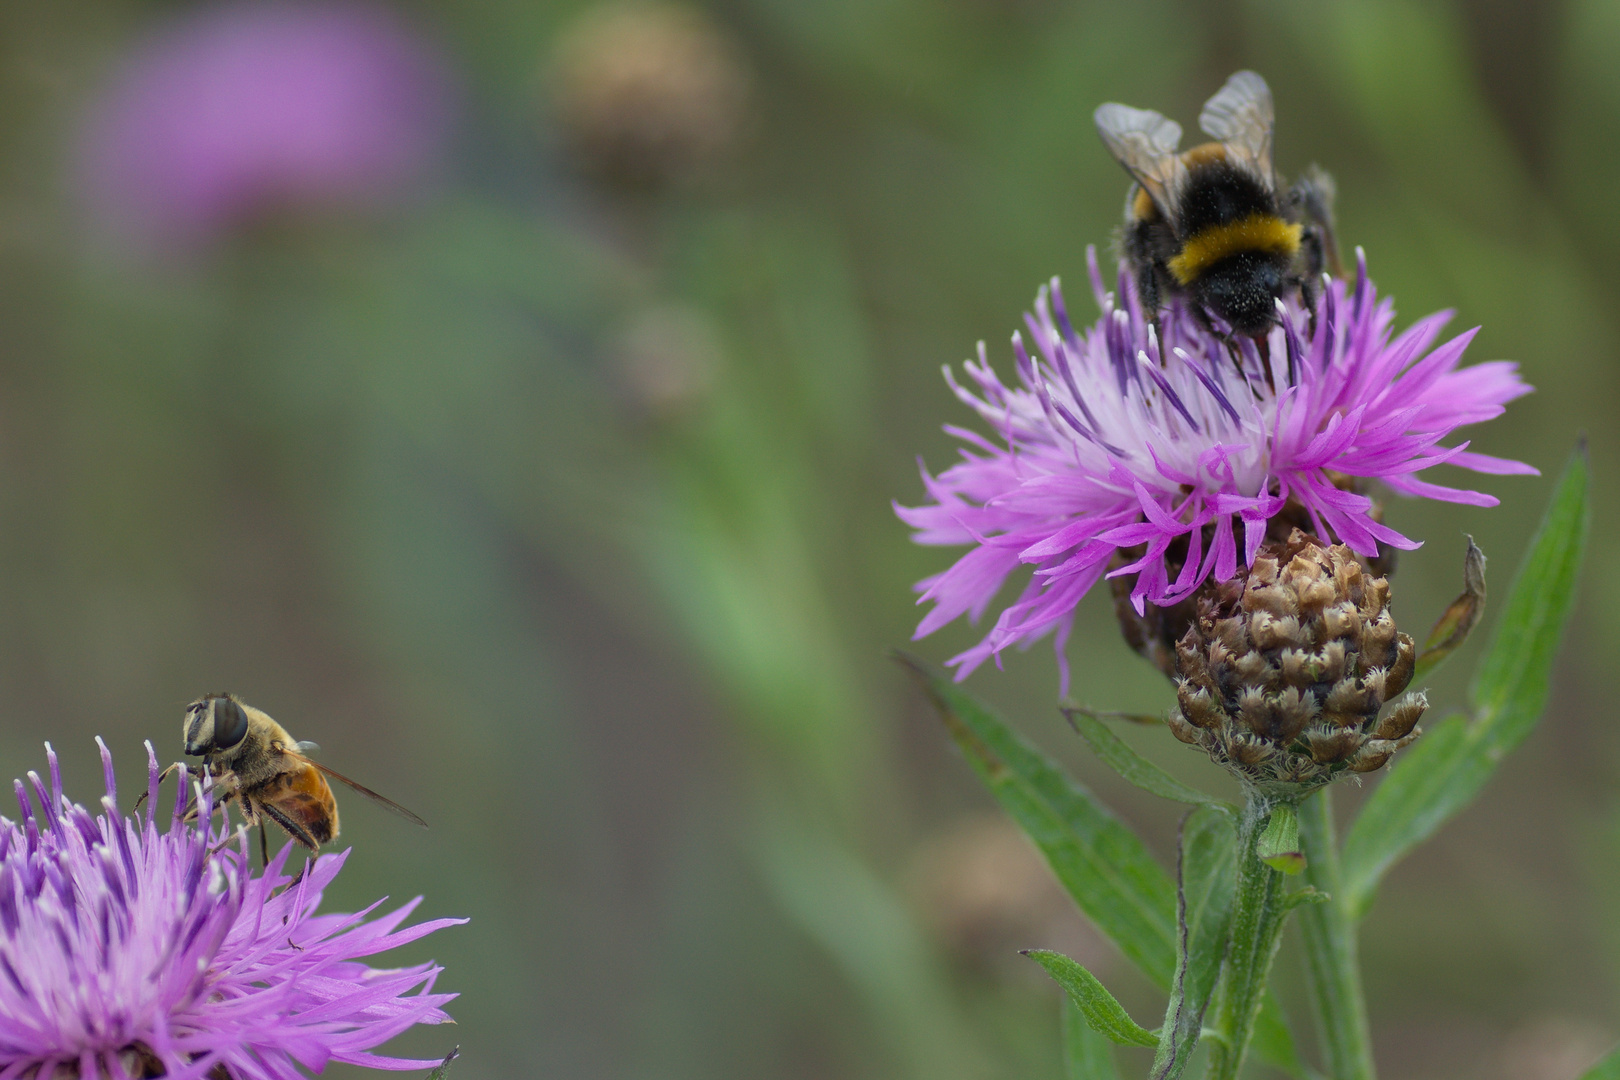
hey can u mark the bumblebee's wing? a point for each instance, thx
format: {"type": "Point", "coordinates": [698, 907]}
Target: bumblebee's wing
{"type": "Point", "coordinates": [382, 801]}
{"type": "Point", "coordinates": [1241, 116]}
{"type": "Point", "coordinates": [1145, 143]}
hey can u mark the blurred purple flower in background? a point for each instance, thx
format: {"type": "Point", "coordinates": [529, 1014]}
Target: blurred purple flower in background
{"type": "Point", "coordinates": [1130, 455]}
{"type": "Point", "coordinates": [126, 952]}
{"type": "Point", "coordinates": [237, 110]}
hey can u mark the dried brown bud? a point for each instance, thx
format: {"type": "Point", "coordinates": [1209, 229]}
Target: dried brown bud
{"type": "Point", "coordinates": [648, 92]}
{"type": "Point", "coordinates": [1284, 672]}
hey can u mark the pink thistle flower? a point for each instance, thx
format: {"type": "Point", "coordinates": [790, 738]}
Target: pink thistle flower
{"type": "Point", "coordinates": [1116, 438]}
{"type": "Point", "coordinates": [247, 107]}
{"type": "Point", "coordinates": [129, 952]}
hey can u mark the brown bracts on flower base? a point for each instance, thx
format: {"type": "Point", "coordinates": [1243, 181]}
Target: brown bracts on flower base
{"type": "Point", "coordinates": [1283, 673]}
{"type": "Point", "coordinates": [1157, 630]}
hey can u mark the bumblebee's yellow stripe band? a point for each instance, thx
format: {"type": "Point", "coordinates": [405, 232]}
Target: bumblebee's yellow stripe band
{"type": "Point", "coordinates": [1257, 232]}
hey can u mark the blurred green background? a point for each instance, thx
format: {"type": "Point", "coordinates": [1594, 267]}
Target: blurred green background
{"type": "Point", "coordinates": [554, 501]}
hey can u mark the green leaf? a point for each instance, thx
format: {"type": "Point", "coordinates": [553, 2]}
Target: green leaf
{"type": "Point", "coordinates": [1129, 764]}
{"type": "Point", "coordinates": [1279, 844]}
{"type": "Point", "coordinates": [1105, 1015]}
{"type": "Point", "coordinates": [1459, 618]}
{"type": "Point", "coordinates": [1273, 1040]}
{"type": "Point", "coordinates": [1103, 865]}
{"type": "Point", "coordinates": [1086, 1054]}
{"type": "Point", "coordinates": [444, 1069]}
{"type": "Point", "coordinates": [1208, 870]}
{"type": "Point", "coordinates": [1607, 1068]}
{"type": "Point", "coordinates": [1450, 764]}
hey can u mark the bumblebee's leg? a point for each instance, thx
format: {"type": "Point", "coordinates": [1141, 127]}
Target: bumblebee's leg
{"type": "Point", "coordinates": [1201, 317]}
{"type": "Point", "coordinates": [294, 829]}
{"type": "Point", "coordinates": [1147, 291]}
{"type": "Point", "coordinates": [1307, 296]}
{"type": "Point", "coordinates": [1312, 197]}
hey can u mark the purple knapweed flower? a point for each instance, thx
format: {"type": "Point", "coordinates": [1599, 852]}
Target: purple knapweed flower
{"type": "Point", "coordinates": [247, 107]}
{"type": "Point", "coordinates": [129, 952]}
{"type": "Point", "coordinates": [1118, 438]}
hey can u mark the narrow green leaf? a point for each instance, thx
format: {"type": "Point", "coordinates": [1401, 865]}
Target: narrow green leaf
{"type": "Point", "coordinates": [1607, 1068]}
{"type": "Point", "coordinates": [1459, 618]}
{"type": "Point", "coordinates": [1103, 865]}
{"type": "Point", "coordinates": [1306, 897]}
{"type": "Point", "coordinates": [1105, 1015]}
{"type": "Point", "coordinates": [1450, 764]}
{"type": "Point", "coordinates": [1129, 764]}
{"type": "Point", "coordinates": [1208, 869]}
{"type": "Point", "coordinates": [1086, 1054]}
{"type": "Point", "coordinates": [1279, 844]}
{"type": "Point", "coordinates": [1273, 1041]}
{"type": "Point", "coordinates": [444, 1069]}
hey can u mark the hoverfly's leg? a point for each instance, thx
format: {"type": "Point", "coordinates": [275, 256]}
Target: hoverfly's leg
{"type": "Point", "coordinates": [264, 846]}
{"type": "Point", "coordinates": [1312, 196]}
{"type": "Point", "coordinates": [294, 829]}
{"type": "Point", "coordinates": [162, 776]}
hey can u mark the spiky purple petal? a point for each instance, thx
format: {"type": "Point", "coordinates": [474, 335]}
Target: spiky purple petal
{"type": "Point", "coordinates": [116, 936]}
{"type": "Point", "coordinates": [1127, 435]}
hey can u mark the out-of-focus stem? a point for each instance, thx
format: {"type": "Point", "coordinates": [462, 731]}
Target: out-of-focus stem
{"type": "Point", "coordinates": [1330, 951]}
{"type": "Point", "coordinates": [1258, 909]}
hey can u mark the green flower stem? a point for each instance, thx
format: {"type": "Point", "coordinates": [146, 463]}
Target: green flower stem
{"type": "Point", "coordinates": [1330, 950]}
{"type": "Point", "coordinates": [1258, 909]}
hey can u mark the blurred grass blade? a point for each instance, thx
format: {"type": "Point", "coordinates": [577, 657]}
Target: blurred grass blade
{"type": "Point", "coordinates": [444, 1068]}
{"type": "Point", "coordinates": [1459, 618]}
{"type": "Point", "coordinates": [1449, 765]}
{"type": "Point", "coordinates": [1131, 765]}
{"type": "Point", "coordinates": [1208, 870]}
{"type": "Point", "coordinates": [1086, 1054]}
{"type": "Point", "coordinates": [1102, 864]}
{"type": "Point", "coordinates": [1607, 1068]}
{"type": "Point", "coordinates": [872, 937]}
{"type": "Point", "coordinates": [1105, 1015]}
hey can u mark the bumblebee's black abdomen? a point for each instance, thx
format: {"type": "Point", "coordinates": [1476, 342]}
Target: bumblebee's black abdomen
{"type": "Point", "coordinates": [1242, 289]}
{"type": "Point", "coordinates": [1218, 193]}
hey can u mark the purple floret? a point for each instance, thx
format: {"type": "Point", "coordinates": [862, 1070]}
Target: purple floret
{"type": "Point", "coordinates": [125, 950]}
{"type": "Point", "coordinates": [1113, 439]}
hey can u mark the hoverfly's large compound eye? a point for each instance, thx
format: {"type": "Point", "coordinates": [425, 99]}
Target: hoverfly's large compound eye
{"type": "Point", "coordinates": [230, 723]}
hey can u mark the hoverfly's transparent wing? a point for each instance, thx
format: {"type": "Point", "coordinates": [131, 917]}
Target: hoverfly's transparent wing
{"type": "Point", "coordinates": [304, 746]}
{"type": "Point", "coordinates": [1145, 143]}
{"type": "Point", "coordinates": [1241, 116]}
{"type": "Point", "coordinates": [386, 803]}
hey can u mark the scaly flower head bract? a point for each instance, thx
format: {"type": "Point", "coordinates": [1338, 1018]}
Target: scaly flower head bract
{"type": "Point", "coordinates": [126, 951]}
{"type": "Point", "coordinates": [1161, 454]}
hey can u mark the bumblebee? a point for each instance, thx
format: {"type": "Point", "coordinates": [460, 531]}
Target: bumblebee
{"type": "Point", "coordinates": [1212, 223]}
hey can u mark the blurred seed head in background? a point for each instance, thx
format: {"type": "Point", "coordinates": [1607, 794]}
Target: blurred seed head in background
{"type": "Point", "coordinates": [985, 892]}
{"type": "Point", "coordinates": [648, 94]}
{"type": "Point", "coordinates": [667, 356]}
{"type": "Point", "coordinates": [232, 113]}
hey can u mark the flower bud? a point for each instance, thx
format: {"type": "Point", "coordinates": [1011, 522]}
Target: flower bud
{"type": "Point", "coordinates": [1282, 674]}
{"type": "Point", "coordinates": [649, 92]}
